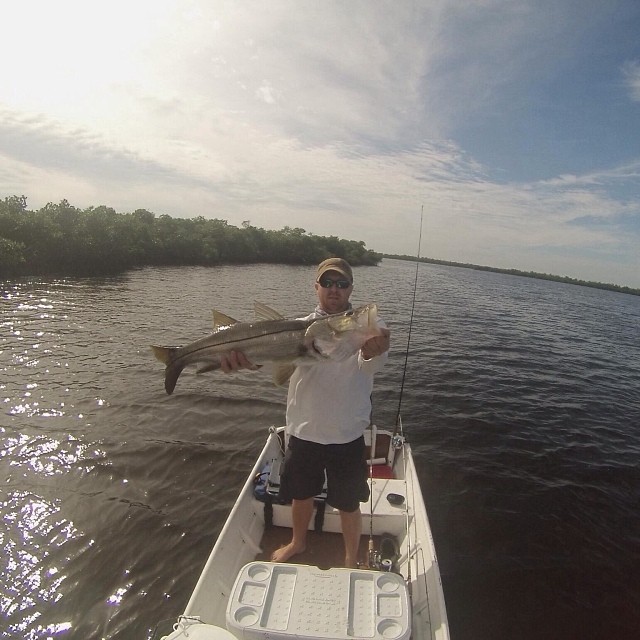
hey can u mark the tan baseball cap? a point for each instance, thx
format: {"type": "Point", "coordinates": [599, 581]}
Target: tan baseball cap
{"type": "Point", "coordinates": [335, 264]}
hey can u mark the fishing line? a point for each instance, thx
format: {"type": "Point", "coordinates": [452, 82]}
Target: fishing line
{"type": "Point", "coordinates": [398, 425]}
{"type": "Point", "coordinates": [413, 306]}
{"type": "Point", "coordinates": [373, 555]}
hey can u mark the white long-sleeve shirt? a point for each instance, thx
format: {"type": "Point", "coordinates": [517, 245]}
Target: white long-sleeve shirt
{"type": "Point", "coordinates": [330, 402]}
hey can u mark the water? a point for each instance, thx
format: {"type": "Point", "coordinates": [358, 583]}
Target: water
{"type": "Point", "coordinates": [521, 401]}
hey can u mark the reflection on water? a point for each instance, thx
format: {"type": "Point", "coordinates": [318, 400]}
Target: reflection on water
{"type": "Point", "coordinates": [33, 534]}
{"type": "Point", "coordinates": [49, 456]}
{"type": "Point", "coordinates": [521, 404]}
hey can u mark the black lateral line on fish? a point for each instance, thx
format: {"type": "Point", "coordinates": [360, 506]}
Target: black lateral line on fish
{"type": "Point", "coordinates": [241, 340]}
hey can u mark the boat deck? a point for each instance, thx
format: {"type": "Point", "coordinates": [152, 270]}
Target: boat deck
{"type": "Point", "coordinates": [255, 528]}
{"type": "Point", "coordinates": [324, 550]}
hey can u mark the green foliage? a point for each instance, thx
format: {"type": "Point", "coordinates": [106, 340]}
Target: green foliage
{"type": "Point", "coordinates": [12, 256]}
{"type": "Point", "coordinates": [62, 239]}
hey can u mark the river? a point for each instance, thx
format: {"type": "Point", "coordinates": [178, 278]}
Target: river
{"type": "Point", "coordinates": [521, 401]}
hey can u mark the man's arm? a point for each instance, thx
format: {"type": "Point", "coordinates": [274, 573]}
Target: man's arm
{"type": "Point", "coordinates": [377, 345]}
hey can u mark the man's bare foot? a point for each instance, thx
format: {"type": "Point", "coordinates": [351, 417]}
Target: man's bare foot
{"type": "Point", "coordinates": [288, 551]}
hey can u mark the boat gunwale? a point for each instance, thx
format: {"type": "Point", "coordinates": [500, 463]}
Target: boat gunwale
{"type": "Point", "coordinates": [242, 532]}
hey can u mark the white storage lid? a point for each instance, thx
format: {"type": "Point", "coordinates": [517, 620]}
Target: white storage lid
{"type": "Point", "coordinates": [199, 631]}
{"type": "Point", "coordinates": [284, 601]}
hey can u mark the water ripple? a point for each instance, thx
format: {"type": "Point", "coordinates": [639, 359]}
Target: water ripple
{"type": "Point", "coordinates": [520, 400]}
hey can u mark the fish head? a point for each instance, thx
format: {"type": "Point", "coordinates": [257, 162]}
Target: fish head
{"type": "Point", "coordinates": [363, 319]}
{"type": "Point", "coordinates": [341, 335]}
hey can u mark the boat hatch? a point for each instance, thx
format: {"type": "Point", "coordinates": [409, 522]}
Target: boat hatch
{"type": "Point", "coordinates": [281, 601]}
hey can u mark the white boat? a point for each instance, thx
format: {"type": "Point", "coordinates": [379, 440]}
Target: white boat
{"type": "Point", "coordinates": [395, 594]}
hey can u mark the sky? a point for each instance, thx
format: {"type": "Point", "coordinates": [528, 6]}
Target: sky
{"type": "Point", "coordinates": [513, 124]}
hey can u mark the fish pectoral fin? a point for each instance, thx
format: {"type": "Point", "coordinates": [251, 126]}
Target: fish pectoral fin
{"type": "Point", "coordinates": [282, 373]}
{"type": "Point", "coordinates": [319, 329]}
{"type": "Point", "coordinates": [222, 320]}
{"type": "Point", "coordinates": [263, 312]}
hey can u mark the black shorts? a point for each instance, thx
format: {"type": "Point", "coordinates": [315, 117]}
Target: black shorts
{"type": "Point", "coordinates": [304, 469]}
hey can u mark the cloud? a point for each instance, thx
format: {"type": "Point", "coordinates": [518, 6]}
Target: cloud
{"type": "Point", "coordinates": [331, 190]}
{"type": "Point", "coordinates": [631, 77]}
{"type": "Point", "coordinates": [340, 118]}
{"type": "Point", "coordinates": [40, 142]}
{"type": "Point", "coordinates": [319, 73]}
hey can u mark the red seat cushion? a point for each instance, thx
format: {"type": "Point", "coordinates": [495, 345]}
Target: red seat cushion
{"type": "Point", "coordinates": [381, 471]}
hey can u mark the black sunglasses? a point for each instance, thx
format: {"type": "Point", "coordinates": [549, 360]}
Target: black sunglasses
{"type": "Point", "coordinates": [327, 283]}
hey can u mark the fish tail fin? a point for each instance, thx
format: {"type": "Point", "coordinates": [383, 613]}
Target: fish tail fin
{"type": "Point", "coordinates": [173, 370]}
{"type": "Point", "coordinates": [171, 375]}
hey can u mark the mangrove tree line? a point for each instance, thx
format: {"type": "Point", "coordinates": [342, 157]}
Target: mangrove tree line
{"type": "Point", "coordinates": [62, 239]}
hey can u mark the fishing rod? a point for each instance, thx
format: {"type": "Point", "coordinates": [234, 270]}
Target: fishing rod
{"type": "Point", "coordinates": [396, 442]}
{"type": "Point", "coordinates": [413, 306]}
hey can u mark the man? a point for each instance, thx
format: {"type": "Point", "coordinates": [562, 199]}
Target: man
{"type": "Point", "coordinates": [328, 410]}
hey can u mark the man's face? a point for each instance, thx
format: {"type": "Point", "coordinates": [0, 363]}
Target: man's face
{"type": "Point", "coordinates": [333, 299]}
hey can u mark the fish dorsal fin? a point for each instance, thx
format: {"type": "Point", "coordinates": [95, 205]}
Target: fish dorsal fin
{"type": "Point", "coordinates": [263, 312]}
{"type": "Point", "coordinates": [222, 320]}
{"type": "Point", "coordinates": [282, 373]}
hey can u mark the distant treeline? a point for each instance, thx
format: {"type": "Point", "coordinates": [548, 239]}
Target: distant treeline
{"type": "Point", "coordinates": [62, 239]}
{"type": "Point", "coordinates": [525, 274]}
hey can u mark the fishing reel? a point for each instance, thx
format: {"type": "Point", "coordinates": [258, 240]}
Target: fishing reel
{"type": "Point", "coordinates": [377, 562]}
{"type": "Point", "coordinates": [384, 558]}
{"type": "Point", "coordinates": [374, 558]}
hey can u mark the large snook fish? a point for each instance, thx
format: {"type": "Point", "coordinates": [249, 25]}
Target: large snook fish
{"type": "Point", "coordinates": [285, 343]}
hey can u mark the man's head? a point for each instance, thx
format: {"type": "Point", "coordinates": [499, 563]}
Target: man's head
{"type": "Point", "coordinates": [334, 284]}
